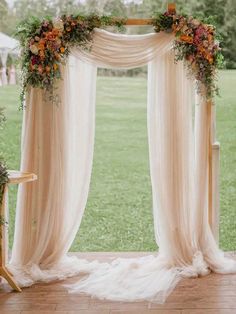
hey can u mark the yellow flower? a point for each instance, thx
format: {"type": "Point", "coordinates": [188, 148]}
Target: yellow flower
{"type": "Point", "coordinates": [55, 66]}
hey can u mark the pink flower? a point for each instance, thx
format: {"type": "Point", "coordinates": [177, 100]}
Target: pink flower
{"type": "Point", "coordinates": [201, 31]}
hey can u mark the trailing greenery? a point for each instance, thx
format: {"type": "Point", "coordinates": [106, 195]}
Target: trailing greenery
{"type": "Point", "coordinates": [196, 42]}
{"type": "Point", "coordinates": [47, 42]}
{"type": "Point", "coordinates": [3, 170]}
{"type": "Point", "coordinates": [3, 178]}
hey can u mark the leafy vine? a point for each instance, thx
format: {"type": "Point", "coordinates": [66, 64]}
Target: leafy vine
{"type": "Point", "coordinates": [196, 42]}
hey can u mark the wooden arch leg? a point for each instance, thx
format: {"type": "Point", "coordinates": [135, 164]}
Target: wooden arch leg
{"type": "Point", "coordinates": [5, 274]}
{"type": "Point", "coordinates": [3, 250]}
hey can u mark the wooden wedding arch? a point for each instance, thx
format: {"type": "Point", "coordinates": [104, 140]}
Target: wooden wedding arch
{"type": "Point", "coordinates": [213, 171]}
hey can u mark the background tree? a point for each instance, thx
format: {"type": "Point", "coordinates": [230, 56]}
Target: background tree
{"type": "Point", "coordinates": [229, 34]}
{"type": "Point", "coordinates": [4, 11]}
{"type": "Point", "coordinates": [115, 7]}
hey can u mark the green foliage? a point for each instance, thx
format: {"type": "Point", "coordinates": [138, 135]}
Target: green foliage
{"type": "Point", "coordinates": [3, 170]}
{"type": "Point", "coordinates": [163, 22]}
{"type": "Point", "coordinates": [2, 117]}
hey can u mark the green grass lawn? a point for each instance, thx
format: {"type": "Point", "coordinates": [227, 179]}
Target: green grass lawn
{"type": "Point", "coordinates": [118, 216]}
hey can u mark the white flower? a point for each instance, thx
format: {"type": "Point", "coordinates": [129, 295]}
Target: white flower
{"type": "Point", "coordinates": [58, 24]}
{"type": "Point", "coordinates": [195, 22]}
{"type": "Point", "coordinates": [34, 49]}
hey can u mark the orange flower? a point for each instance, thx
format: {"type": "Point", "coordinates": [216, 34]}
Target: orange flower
{"type": "Point", "coordinates": [201, 49]}
{"type": "Point", "coordinates": [209, 58]}
{"type": "Point", "coordinates": [42, 42]}
{"type": "Point", "coordinates": [186, 38]}
{"type": "Point", "coordinates": [41, 47]}
{"type": "Point", "coordinates": [55, 66]}
{"type": "Point", "coordinates": [41, 54]}
{"type": "Point", "coordinates": [49, 36]}
{"type": "Point", "coordinates": [55, 31]}
{"type": "Point", "coordinates": [62, 49]}
{"type": "Point", "coordinates": [48, 68]}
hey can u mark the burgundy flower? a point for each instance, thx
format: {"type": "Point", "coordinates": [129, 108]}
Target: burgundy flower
{"type": "Point", "coordinates": [35, 60]}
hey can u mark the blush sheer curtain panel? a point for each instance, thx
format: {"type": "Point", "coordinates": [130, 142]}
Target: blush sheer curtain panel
{"type": "Point", "coordinates": [57, 144]}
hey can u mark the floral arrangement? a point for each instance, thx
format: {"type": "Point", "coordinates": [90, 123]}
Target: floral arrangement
{"type": "Point", "coordinates": [196, 43]}
{"type": "Point", "coordinates": [46, 44]}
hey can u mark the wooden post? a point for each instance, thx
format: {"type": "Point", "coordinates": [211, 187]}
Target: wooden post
{"type": "Point", "coordinates": [213, 172]}
{"type": "Point", "coordinates": [171, 8]}
{"type": "Point", "coordinates": [216, 191]}
{"type": "Point", "coordinates": [210, 163]}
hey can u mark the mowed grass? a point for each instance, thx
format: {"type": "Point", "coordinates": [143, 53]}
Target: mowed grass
{"type": "Point", "coordinates": [118, 216]}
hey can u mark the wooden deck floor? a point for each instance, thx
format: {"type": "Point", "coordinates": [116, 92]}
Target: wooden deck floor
{"type": "Point", "coordinates": [214, 294]}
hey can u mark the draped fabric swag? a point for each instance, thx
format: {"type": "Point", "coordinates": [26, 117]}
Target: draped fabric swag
{"type": "Point", "coordinates": [57, 145]}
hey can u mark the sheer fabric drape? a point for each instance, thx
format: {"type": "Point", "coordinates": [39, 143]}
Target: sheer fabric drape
{"type": "Point", "coordinates": [58, 146]}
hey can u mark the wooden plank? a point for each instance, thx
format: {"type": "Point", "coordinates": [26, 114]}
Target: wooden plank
{"type": "Point", "coordinates": [139, 22]}
{"type": "Point", "coordinates": [16, 177]}
{"type": "Point", "coordinates": [171, 7]}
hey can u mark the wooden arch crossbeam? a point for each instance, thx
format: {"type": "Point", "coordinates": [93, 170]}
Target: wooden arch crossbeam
{"type": "Point", "coordinates": [142, 22]}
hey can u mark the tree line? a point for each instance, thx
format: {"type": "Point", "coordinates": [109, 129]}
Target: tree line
{"type": "Point", "coordinates": [223, 12]}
